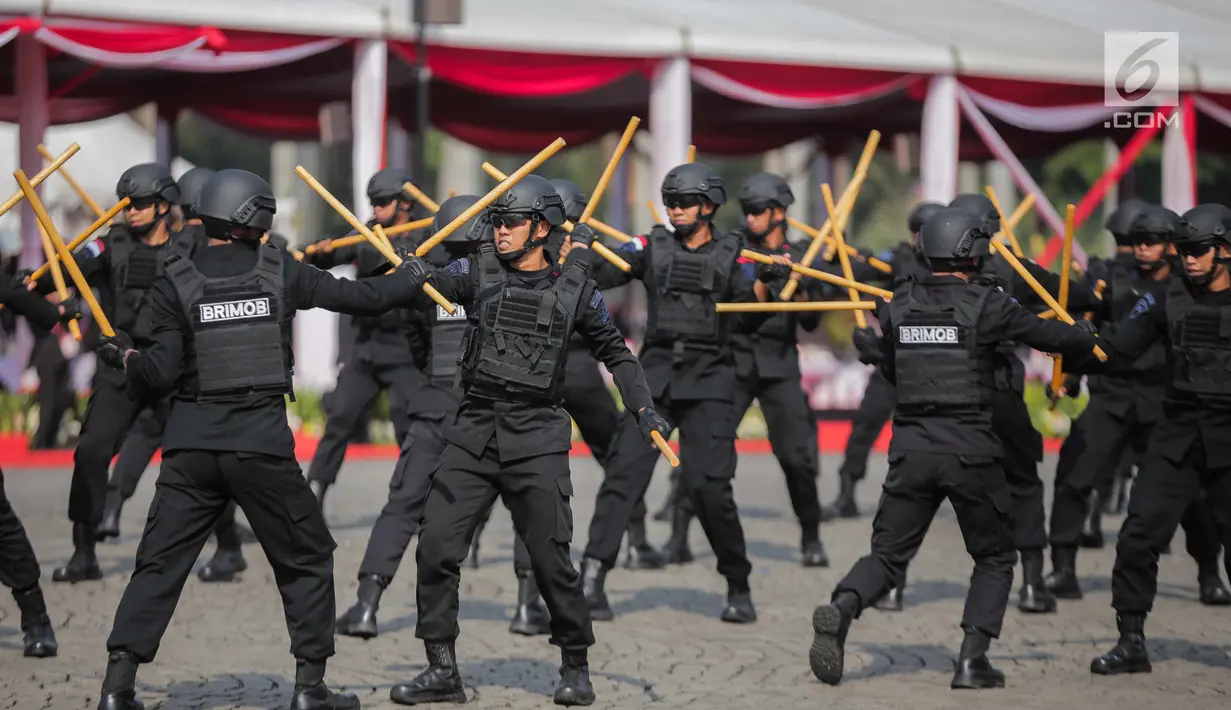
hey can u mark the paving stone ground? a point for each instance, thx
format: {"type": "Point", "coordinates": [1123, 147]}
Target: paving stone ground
{"type": "Point", "coordinates": [227, 645]}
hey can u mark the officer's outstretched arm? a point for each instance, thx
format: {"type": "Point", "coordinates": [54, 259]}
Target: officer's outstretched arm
{"type": "Point", "coordinates": [608, 275]}
{"type": "Point", "coordinates": [309, 287]}
{"type": "Point", "coordinates": [155, 370]}
{"type": "Point", "coordinates": [91, 258]}
{"type": "Point", "coordinates": [41, 315]}
{"type": "Point", "coordinates": [608, 346]}
{"type": "Point", "coordinates": [1005, 319]}
{"type": "Point", "coordinates": [1127, 339]}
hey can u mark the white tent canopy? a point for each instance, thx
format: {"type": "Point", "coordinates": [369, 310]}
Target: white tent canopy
{"type": "Point", "coordinates": [1058, 40]}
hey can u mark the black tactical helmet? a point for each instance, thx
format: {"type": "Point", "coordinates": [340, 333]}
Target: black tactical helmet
{"type": "Point", "coordinates": [1156, 220]}
{"type": "Point", "coordinates": [575, 199]}
{"type": "Point", "coordinates": [235, 198]}
{"type": "Point", "coordinates": [979, 205]}
{"type": "Point", "coordinates": [534, 194]}
{"type": "Point", "coordinates": [763, 191]}
{"type": "Point", "coordinates": [147, 180]}
{"type": "Point", "coordinates": [1205, 223]}
{"type": "Point", "coordinates": [920, 214]}
{"type": "Point", "coordinates": [190, 184]}
{"type": "Point", "coordinates": [387, 184]}
{"type": "Point", "coordinates": [694, 179]}
{"type": "Point", "coordinates": [954, 233]}
{"type": "Point", "coordinates": [1120, 221]}
{"type": "Point", "coordinates": [450, 209]}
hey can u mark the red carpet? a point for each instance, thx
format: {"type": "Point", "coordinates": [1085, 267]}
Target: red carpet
{"type": "Point", "coordinates": [831, 438]}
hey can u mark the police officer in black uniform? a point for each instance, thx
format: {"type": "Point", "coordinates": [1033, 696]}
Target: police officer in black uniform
{"type": "Point", "coordinates": [1187, 453]}
{"type": "Point", "coordinates": [767, 364]}
{"type": "Point", "coordinates": [221, 343]}
{"type": "Point", "coordinates": [123, 265]}
{"type": "Point", "coordinates": [1121, 267]}
{"type": "Point", "coordinates": [510, 438]}
{"type": "Point", "coordinates": [1125, 402]}
{"type": "Point", "coordinates": [1023, 443]}
{"type": "Point", "coordinates": [876, 407]}
{"type": "Point", "coordinates": [586, 398]}
{"type": "Point", "coordinates": [19, 568]}
{"type": "Point", "coordinates": [420, 453]}
{"type": "Point", "coordinates": [145, 435]}
{"type": "Point", "coordinates": [691, 369]}
{"type": "Point", "coordinates": [941, 337]}
{"type": "Point", "coordinates": [386, 355]}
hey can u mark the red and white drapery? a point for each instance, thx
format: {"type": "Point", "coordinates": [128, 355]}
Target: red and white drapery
{"type": "Point", "coordinates": [1047, 108]}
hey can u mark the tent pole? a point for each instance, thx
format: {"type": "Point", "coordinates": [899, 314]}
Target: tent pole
{"type": "Point", "coordinates": [421, 93]}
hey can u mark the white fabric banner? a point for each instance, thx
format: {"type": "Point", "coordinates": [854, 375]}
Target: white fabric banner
{"type": "Point", "coordinates": [732, 89]}
{"type": "Point", "coordinates": [938, 142]}
{"type": "Point", "coordinates": [367, 119]}
{"type": "Point", "coordinates": [1049, 119]}
{"type": "Point", "coordinates": [670, 117]}
{"type": "Point", "coordinates": [1177, 164]}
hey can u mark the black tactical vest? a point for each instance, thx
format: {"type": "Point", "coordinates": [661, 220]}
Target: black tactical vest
{"type": "Point", "coordinates": [1200, 346]}
{"type": "Point", "coordinates": [686, 287]}
{"type": "Point", "coordinates": [241, 336]}
{"type": "Point", "coordinates": [445, 351]}
{"type": "Point", "coordinates": [134, 269]}
{"type": "Point", "coordinates": [939, 362]}
{"type": "Point", "coordinates": [517, 342]}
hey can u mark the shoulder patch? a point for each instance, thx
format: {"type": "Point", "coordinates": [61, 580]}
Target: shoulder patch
{"type": "Point", "coordinates": [461, 267]}
{"type": "Point", "coordinates": [597, 303]}
{"type": "Point", "coordinates": [94, 248]}
{"type": "Point", "coordinates": [749, 268]}
{"type": "Point", "coordinates": [637, 244]}
{"type": "Point", "coordinates": [1145, 303]}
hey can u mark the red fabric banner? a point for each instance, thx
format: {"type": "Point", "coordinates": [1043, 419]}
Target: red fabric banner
{"type": "Point", "coordinates": [525, 74]}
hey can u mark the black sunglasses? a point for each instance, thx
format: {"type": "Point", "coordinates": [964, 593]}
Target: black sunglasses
{"type": "Point", "coordinates": [141, 203]}
{"type": "Point", "coordinates": [751, 208]}
{"type": "Point", "coordinates": [681, 201]}
{"type": "Point", "coordinates": [511, 220]}
{"type": "Point", "coordinates": [1150, 240]}
{"type": "Point", "coordinates": [383, 201]}
{"type": "Point", "coordinates": [1196, 250]}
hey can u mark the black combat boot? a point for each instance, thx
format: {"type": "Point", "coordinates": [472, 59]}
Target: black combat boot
{"type": "Point", "coordinates": [119, 684]}
{"type": "Point", "coordinates": [319, 489]}
{"type": "Point", "coordinates": [438, 683]}
{"type": "Point", "coordinates": [844, 506]}
{"type": "Point", "coordinates": [1213, 591]}
{"type": "Point", "coordinates": [673, 498]}
{"type": "Point", "coordinates": [311, 693]}
{"type": "Point", "coordinates": [812, 552]}
{"type": "Point", "coordinates": [244, 534]}
{"type": "Point", "coordinates": [83, 565]}
{"type": "Point", "coordinates": [1092, 526]}
{"type": "Point", "coordinates": [1034, 597]}
{"type": "Point", "coordinates": [530, 618]}
{"type": "Point", "coordinates": [974, 671]}
{"type": "Point", "coordinates": [1062, 582]}
{"type": "Point", "coordinates": [892, 601]}
{"type": "Point", "coordinates": [739, 608]}
{"type": "Point", "coordinates": [574, 687]}
{"type": "Point", "coordinates": [110, 525]}
{"type": "Point", "coordinates": [830, 624]}
{"type": "Point", "coordinates": [224, 566]}
{"type": "Point", "coordinates": [593, 577]}
{"type": "Point", "coordinates": [676, 551]}
{"type": "Point", "coordinates": [641, 554]}
{"type": "Point", "coordinates": [40, 638]}
{"type": "Point", "coordinates": [1130, 654]}
{"type": "Point", "coordinates": [360, 620]}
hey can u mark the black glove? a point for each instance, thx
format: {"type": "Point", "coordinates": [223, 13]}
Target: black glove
{"type": "Point", "coordinates": [1071, 383]}
{"type": "Point", "coordinates": [649, 420]}
{"type": "Point", "coordinates": [69, 311]}
{"type": "Point", "coordinates": [24, 275]}
{"type": "Point", "coordinates": [1087, 326]}
{"type": "Point", "coordinates": [770, 273]}
{"type": "Point", "coordinates": [415, 269]}
{"type": "Point", "coordinates": [111, 350]}
{"type": "Point", "coordinates": [583, 234]}
{"type": "Point", "coordinates": [865, 339]}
